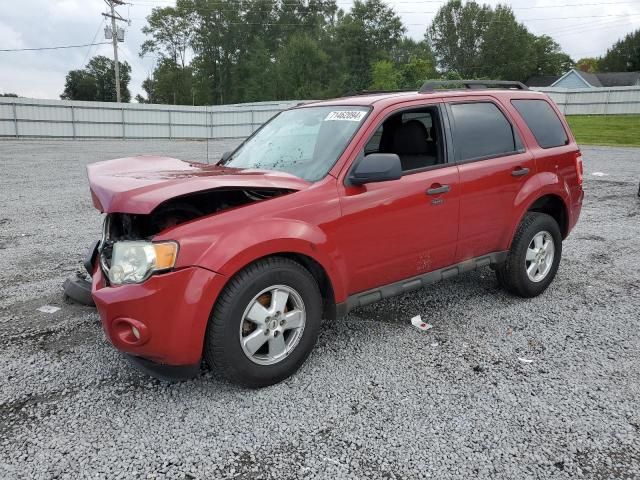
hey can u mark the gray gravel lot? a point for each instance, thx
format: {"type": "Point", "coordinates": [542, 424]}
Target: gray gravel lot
{"type": "Point", "coordinates": [378, 398]}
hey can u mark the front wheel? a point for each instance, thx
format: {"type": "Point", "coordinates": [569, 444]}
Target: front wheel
{"type": "Point", "coordinates": [534, 257]}
{"type": "Point", "coordinates": [265, 323]}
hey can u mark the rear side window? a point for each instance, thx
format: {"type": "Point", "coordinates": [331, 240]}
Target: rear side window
{"type": "Point", "coordinates": [480, 130]}
{"type": "Point", "coordinates": [543, 122]}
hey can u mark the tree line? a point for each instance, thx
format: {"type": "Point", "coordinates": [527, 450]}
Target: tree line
{"type": "Point", "coordinates": [220, 52]}
{"type": "Point", "coordinates": [623, 56]}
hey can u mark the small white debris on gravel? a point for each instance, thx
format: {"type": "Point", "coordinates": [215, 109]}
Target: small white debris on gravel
{"type": "Point", "coordinates": [372, 401]}
{"type": "Point", "coordinates": [419, 324]}
{"type": "Point", "coordinates": [48, 309]}
{"type": "Point", "coordinates": [525, 360]}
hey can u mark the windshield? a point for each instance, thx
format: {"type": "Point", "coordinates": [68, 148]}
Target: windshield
{"type": "Point", "coordinates": [305, 142]}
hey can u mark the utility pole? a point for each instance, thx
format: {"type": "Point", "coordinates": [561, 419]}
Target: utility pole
{"type": "Point", "coordinates": [114, 38]}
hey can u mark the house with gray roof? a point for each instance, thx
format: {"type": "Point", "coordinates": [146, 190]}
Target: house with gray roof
{"type": "Point", "coordinates": [578, 79]}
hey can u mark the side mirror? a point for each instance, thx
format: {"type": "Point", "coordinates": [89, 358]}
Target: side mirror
{"type": "Point", "coordinates": [225, 156]}
{"type": "Point", "coordinates": [376, 167]}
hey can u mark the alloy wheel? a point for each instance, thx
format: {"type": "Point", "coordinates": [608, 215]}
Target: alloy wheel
{"type": "Point", "coordinates": [539, 257]}
{"type": "Point", "coordinates": [272, 324]}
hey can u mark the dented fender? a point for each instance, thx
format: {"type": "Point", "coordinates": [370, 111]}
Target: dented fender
{"type": "Point", "coordinates": [229, 251]}
{"type": "Point", "coordinates": [226, 242]}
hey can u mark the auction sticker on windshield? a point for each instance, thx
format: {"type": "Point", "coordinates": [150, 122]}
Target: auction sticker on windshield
{"type": "Point", "coordinates": [350, 115]}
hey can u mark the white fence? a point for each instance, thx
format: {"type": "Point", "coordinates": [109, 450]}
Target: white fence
{"type": "Point", "coordinates": [23, 117]}
{"type": "Point", "coordinates": [596, 101]}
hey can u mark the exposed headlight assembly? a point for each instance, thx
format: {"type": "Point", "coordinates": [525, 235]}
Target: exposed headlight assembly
{"type": "Point", "coordinates": [135, 261]}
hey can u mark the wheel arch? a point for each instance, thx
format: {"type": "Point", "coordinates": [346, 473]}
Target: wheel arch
{"type": "Point", "coordinates": [554, 206]}
{"type": "Point", "coordinates": [321, 276]}
{"type": "Point", "coordinates": [312, 265]}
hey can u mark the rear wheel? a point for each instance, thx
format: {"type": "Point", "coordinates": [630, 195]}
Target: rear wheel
{"type": "Point", "coordinates": [265, 323]}
{"type": "Point", "coordinates": [534, 257]}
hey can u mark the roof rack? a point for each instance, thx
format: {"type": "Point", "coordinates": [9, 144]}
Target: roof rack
{"type": "Point", "coordinates": [432, 85]}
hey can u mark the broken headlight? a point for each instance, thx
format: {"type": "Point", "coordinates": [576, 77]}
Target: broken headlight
{"type": "Point", "coordinates": [135, 261]}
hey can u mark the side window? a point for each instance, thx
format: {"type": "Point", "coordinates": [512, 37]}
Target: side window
{"type": "Point", "coordinates": [414, 135]}
{"type": "Point", "coordinates": [543, 122]}
{"type": "Point", "coordinates": [481, 130]}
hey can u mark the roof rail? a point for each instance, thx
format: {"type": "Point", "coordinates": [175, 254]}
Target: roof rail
{"type": "Point", "coordinates": [373, 92]}
{"type": "Point", "coordinates": [432, 85]}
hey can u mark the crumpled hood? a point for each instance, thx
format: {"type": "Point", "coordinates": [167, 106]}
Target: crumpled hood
{"type": "Point", "coordinates": [140, 184]}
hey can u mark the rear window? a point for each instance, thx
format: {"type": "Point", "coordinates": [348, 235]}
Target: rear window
{"type": "Point", "coordinates": [543, 122]}
{"type": "Point", "coordinates": [480, 130]}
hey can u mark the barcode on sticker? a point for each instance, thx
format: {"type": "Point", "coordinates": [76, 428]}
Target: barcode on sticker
{"type": "Point", "coordinates": [349, 115]}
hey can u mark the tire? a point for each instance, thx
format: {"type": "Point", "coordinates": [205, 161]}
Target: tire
{"type": "Point", "coordinates": [228, 347]}
{"type": "Point", "coordinates": [512, 275]}
{"type": "Point", "coordinates": [78, 290]}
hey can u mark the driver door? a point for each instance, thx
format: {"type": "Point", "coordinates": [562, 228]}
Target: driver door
{"type": "Point", "coordinates": [398, 229]}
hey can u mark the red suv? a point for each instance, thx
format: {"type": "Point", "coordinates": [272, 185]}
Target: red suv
{"type": "Point", "coordinates": [329, 206]}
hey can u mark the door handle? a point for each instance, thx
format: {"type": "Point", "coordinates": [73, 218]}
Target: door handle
{"type": "Point", "coordinates": [438, 190]}
{"type": "Point", "coordinates": [519, 171]}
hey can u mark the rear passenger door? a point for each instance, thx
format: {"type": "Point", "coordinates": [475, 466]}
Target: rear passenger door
{"type": "Point", "coordinates": [493, 167]}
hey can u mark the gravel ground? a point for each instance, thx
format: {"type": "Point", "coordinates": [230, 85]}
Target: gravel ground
{"type": "Point", "coordinates": [378, 398]}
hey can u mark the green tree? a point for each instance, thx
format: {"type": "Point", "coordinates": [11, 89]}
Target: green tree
{"type": "Point", "coordinates": [365, 35]}
{"type": "Point", "coordinates": [456, 36]}
{"type": "Point", "coordinates": [259, 75]}
{"type": "Point", "coordinates": [506, 49]}
{"type": "Point", "coordinates": [79, 85]}
{"type": "Point", "coordinates": [549, 57]}
{"type": "Point", "coordinates": [412, 64]}
{"type": "Point", "coordinates": [385, 76]}
{"type": "Point", "coordinates": [588, 64]}
{"type": "Point", "coordinates": [416, 72]}
{"type": "Point", "coordinates": [169, 84]}
{"type": "Point", "coordinates": [221, 36]}
{"type": "Point", "coordinates": [624, 55]}
{"type": "Point", "coordinates": [477, 41]}
{"type": "Point", "coordinates": [301, 69]}
{"type": "Point", "coordinates": [103, 70]}
{"type": "Point", "coordinates": [407, 49]}
{"type": "Point", "coordinates": [217, 52]}
{"type": "Point", "coordinates": [171, 30]}
{"type": "Point", "coordinates": [148, 85]}
{"type": "Point", "coordinates": [97, 81]}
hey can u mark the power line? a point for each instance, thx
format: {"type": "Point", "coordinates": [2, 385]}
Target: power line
{"type": "Point", "coordinates": [50, 48]}
{"type": "Point", "coordinates": [93, 40]}
{"type": "Point", "coordinates": [573, 26]}
{"type": "Point", "coordinates": [591, 29]}
{"type": "Point", "coordinates": [169, 3]}
{"type": "Point", "coordinates": [522, 20]}
{"type": "Point", "coordinates": [577, 28]}
{"type": "Point", "coordinates": [212, 8]}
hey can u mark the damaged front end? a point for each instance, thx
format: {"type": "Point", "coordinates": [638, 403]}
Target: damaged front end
{"type": "Point", "coordinates": [127, 251]}
{"type": "Point", "coordinates": [144, 196]}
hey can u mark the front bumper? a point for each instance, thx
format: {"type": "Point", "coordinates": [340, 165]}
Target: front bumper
{"type": "Point", "coordinates": [169, 311]}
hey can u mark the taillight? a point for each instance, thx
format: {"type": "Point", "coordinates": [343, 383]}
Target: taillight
{"type": "Point", "coordinates": [579, 168]}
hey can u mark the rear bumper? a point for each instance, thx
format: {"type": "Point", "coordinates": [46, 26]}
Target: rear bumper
{"type": "Point", "coordinates": [169, 312]}
{"type": "Point", "coordinates": [576, 207]}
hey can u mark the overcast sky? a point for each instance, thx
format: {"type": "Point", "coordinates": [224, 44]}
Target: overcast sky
{"type": "Point", "coordinates": [584, 28]}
